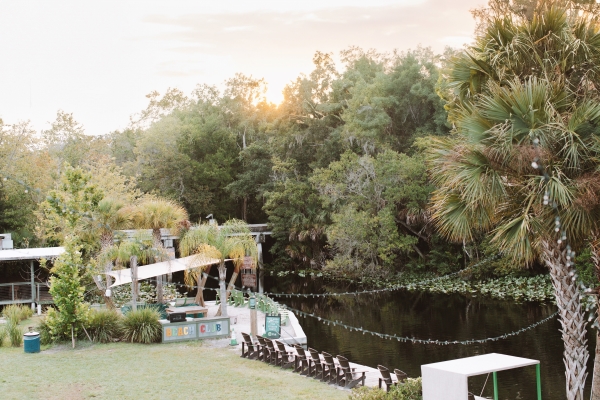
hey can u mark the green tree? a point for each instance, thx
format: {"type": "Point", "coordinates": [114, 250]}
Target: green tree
{"type": "Point", "coordinates": [521, 97]}
{"type": "Point", "coordinates": [68, 210]}
{"type": "Point", "coordinates": [67, 292]}
{"type": "Point", "coordinates": [368, 197]}
{"type": "Point", "coordinates": [231, 240]}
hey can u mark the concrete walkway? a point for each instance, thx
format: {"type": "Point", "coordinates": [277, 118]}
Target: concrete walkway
{"type": "Point", "coordinates": [291, 334]}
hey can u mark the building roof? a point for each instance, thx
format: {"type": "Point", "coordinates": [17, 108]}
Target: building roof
{"type": "Point", "coordinates": [31, 254]}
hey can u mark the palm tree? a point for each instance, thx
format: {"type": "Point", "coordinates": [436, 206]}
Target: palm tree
{"type": "Point", "coordinates": [109, 215]}
{"type": "Point", "coordinates": [523, 99]}
{"type": "Point", "coordinates": [232, 240]}
{"type": "Point", "coordinates": [155, 214]}
{"type": "Point", "coordinates": [138, 249]}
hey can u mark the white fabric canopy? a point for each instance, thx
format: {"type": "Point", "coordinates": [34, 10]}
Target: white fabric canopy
{"type": "Point", "coordinates": [448, 379]}
{"type": "Point", "coordinates": [123, 276]}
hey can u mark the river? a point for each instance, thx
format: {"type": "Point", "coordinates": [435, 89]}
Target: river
{"type": "Point", "coordinates": [439, 317]}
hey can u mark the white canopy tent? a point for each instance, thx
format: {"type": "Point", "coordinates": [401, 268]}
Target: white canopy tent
{"type": "Point", "coordinates": [448, 380]}
{"type": "Point", "coordinates": [123, 276]}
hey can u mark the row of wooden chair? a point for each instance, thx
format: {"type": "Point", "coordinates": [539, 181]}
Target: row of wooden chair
{"type": "Point", "coordinates": [388, 379]}
{"type": "Point", "coordinates": [324, 366]}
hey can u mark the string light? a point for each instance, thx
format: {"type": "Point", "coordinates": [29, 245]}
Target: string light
{"type": "Point", "coordinates": [386, 336]}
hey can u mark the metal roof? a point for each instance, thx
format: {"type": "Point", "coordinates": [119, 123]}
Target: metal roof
{"type": "Point", "coordinates": [31, 254]}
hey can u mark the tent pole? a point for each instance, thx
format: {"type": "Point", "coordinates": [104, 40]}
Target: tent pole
{"type": "Point", "coordinates": [495, 376]}
{"type": "Point", "coordinates": [538, 378]}
{"type": "Point", "coordinates": [32, 282]}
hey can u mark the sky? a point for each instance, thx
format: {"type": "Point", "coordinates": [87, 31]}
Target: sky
{"type": "Point", "coordinates": [99, 59]}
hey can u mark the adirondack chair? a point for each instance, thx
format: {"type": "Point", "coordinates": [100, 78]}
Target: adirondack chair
{"type": "Point", "coordinates": [301, 361]}
{"type": "Point", "coordinates": [400, 375]}
{"type": "Point", "coordinates": [386, 378]}
{"type": "Point", "coordinates": [272, 352]}
{"type": "Point", "coordinates": [330, 369]}
{"type": "Point", "coordinates": [349, 377]}
{"type": "Point", "coordinates": [266, 352]}
{"type": "Point", "coordinates": [250, 349]}
{"type": "Point", "coordinates": [285, 358]}
{"type": "Point", "coordinates": [315, 368]}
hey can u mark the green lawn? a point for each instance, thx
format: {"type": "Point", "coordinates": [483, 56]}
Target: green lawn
{"type": "Point", "coordinates": [188, 370]}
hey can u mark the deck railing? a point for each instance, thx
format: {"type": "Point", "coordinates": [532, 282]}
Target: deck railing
{"type": "Point", "coordinates": [21, 292]}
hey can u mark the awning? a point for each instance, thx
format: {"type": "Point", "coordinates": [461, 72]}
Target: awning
{"type": "Point", "coordinates": [31, 254]}
{"type": "Point", "coordinates": [123, 276]}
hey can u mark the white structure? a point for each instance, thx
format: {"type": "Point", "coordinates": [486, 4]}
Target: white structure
{"type": "Point", "coordinates": [448, 380]}
{"type": "Point", "coordinates": [24, 292]}
{"type": "Point", "coordinates": [5, 241]}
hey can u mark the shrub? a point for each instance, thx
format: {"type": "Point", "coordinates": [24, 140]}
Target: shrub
{"type": "Point", "coordinates": [44, 330]}
{"type": "Point", "coordinates": [15, 333]}
{"type": "Point", "coordinates": [411, 389]}
{"type": "Point", "coordinates": [12, 313]}
{"type": "Point", "coordinates": [26, 312]}
{"type": "Point", "coordinates": [142, 326]}
{"type": "Point", "coordinates": [104, 326]}
{"type": "Point", "coordinates": [3, 335]}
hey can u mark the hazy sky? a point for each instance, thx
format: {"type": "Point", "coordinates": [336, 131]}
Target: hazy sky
{"type": "Point", "coordinates": [98, 60]}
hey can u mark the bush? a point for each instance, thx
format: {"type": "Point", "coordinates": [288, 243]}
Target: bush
{"type": "Point", "coordinates": [3, 335]}
{"type": "Point", "coordinates": [44, 330]}
{"type": "Point", "coordinates": [104, 326]}
{"type": "Point", "coordinates": [142, 326]}
{"type": "Point", "coordinates": [15, 333]}
{"type": "Point", "coordinates": [411, 389]}
{"type": "Point", "coordinates": [17, 313]}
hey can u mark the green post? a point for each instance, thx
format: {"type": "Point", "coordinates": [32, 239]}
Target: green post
{"type": "Point", "coordinates": [495, 376]}
{"type": "Point", "coordinates": [538, 379]}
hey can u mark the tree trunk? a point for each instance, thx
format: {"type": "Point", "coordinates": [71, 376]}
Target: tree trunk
{"type": "Point", "coordinates": [223, 291]}
{"type": "Point", "coordinates": [572, 320]}
{"type": "Point", "coordinates": [595, 245]}
{"type": "Point", "coordinates": [134, 281]}
{"type": "Point", "coordinates": [201, 283]}
{"type": "Point", "coordinates": [156, 237]}
{"type": "Point", "coordinates": [596, 374]}
{"type": "Point", "coordinates": [231, 285]}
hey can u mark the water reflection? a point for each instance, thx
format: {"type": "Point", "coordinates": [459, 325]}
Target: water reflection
{"type": "Point", "coordinates": [438, 317]}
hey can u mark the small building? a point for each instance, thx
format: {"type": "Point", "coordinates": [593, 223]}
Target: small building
{"type": "Point", "coordinates": [18, 283]}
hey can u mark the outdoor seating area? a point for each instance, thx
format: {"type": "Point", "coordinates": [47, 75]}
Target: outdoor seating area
{"type": "Point", "coordinates": [390, 380]}
{"type": "Point", "coordinates": [323, 366]}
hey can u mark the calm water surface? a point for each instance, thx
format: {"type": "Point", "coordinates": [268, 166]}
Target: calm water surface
{"type": "Point", "coordinates": [438, 317]}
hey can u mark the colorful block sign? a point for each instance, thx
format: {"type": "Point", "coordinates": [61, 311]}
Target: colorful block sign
{"type": "Point", "coordinates": [204, 328]}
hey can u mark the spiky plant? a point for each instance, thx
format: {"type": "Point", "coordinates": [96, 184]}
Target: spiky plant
{"type": "Point", "coordinates": [524, 96]}
{"type": "Point", "coordinates": [232, 240]}
{"type": "Point", "coordinates": [104, 326]}
{"type": "Point", "coordinates": [142, 326]}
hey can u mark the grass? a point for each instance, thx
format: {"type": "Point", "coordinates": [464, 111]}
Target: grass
{"type": "Point", "coordinates": [158, 371]}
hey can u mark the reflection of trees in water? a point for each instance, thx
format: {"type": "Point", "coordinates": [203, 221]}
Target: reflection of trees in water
{"type": "Point", "coordinates": [432, 316]}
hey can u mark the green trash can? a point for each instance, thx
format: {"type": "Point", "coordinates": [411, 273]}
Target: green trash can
{"type": "Point", "coordinates": [31, 342]}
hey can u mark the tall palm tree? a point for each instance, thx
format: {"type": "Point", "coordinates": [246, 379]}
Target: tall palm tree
{"type": "Point", "coordinates": [521, 99]}
{"type": "Point", "coordinates": [232, 240]}
{"type": "Point", "coordinates": [109, 215]}
{"type": "Point", "coordinates": [155, 214]}
{"type": "Point", "coordinates": [139, 249]}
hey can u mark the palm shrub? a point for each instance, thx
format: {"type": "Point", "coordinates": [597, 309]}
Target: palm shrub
{"type": "Point", "coordinates": [104, 325]}
{"type": "Point", "coordinates": [142, 326]}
